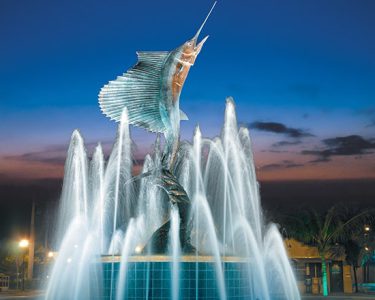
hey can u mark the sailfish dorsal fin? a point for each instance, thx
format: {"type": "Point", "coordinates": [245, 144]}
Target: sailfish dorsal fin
{"type": "Point", "coordinates": [139, 89]}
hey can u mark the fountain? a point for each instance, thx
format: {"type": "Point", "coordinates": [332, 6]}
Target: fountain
{"type": "Point", "coordinates": [106, 220]}
{"type": "Point", "coordinates": [189, 226]}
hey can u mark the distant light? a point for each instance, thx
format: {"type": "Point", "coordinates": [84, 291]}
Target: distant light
{"type": "Point", "coordinates": [367, 248]}
{"type": "Point", "coordinates": [367, 228]}
{"type": "Point", "coordinates": [50, 254]}
{"type": "Point", "coordinates": [138, 249]}
{"type": "Point", "coordinates": [69, 260]}
{"type": "Point", "coordinates": [23, 243]}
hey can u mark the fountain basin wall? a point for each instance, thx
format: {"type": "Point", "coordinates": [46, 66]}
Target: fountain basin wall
{"type": "Point", "coordinates": [150, 277]}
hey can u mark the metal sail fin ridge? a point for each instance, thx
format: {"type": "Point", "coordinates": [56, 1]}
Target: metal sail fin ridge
{"type": "Point", "coordinates": [139, 90]}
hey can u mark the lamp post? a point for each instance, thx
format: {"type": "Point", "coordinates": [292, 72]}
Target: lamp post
{"type": "Point", "coordinates": [23, 244]}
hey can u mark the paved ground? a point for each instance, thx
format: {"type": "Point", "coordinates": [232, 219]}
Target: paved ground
{"type": "Point", "coordinates": [37, 295]}
{"type": "Point", "coordinates": [26, 295]}
{"type": "Point", "coordinates": [341, 297]}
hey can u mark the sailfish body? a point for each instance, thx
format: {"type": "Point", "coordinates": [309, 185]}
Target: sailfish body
{"type": "Point", "coordinates": [151, 90]}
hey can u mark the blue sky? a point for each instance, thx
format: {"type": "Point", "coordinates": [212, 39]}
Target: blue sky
{"type": "Point", "coordinates": [307, 65]}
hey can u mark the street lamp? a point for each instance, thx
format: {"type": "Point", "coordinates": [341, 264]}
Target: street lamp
{"type": "Point", "coordinates": [138, 249]}
{"type": "Point", "coordinates": [23, 244]}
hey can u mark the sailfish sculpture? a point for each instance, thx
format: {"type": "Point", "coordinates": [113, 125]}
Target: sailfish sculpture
{"type": "Point", "coordinates": [151, 91]}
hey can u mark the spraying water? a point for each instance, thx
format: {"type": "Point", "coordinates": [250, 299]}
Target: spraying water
{"type": "Point", "coordinates": [176, 252]}
{"type": "Point", "coordinates": [106, 217]}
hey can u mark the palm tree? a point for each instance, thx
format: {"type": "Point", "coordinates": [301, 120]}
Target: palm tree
{"type": "Point", "coordinates": [323, 231]}
{"type": "Point", "coordinates": [357, 239]}
{"type": "Point", "coordinates": [353, 251]}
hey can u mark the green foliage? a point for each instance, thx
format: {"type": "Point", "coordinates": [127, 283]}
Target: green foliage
{"type": "Point", "coordinates": [353, 251]}
{"type": "Point", "coordinates": [9, 262]}
{"type": "Point", "coordinates": [325, 230]}
{"type": "Point", "coordinates": [328, 232]}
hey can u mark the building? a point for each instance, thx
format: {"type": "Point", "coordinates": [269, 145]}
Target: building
{"type": "Point", "coordinates": [308, 266]}
{"type": "Point", "coordinates": [4, 282]}
{"type": "Point", "coordinates": [366, 273]}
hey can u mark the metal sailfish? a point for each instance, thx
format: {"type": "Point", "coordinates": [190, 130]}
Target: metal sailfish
{"type": "Point", "coordinates": [151, 91]}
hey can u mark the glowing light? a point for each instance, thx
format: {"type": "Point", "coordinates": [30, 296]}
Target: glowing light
{"type": "Point", "coordinates": [50, 254]}
{"type": "Point", "coordinates": [138, 249]}
{"type": "Point", "coordinates": [367, 228]}
{"type": "Point", "coordinates": [367, 248]}
{"type": "Point", "coordinates": [23, 243]}
{"type": "Point", "coordinates": [69, 260]}
{"type": "Point", "coordinates": [325, 281]}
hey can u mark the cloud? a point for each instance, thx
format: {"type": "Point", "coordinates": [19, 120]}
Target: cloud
{"type": "Point", "coordinates": [56, 154]}
{"type": "Point", "coordinates": [285, 164]}
{"type": "Point", "coordinates": [369, 111]}
{"type": "Point", "coordinates": [305, 90]}
{"type": "Point", "coordinates": [342, 146]}
{"type": "Point", "coordinates": [320, 159]}
{"type": "Point", "coordinates": [286, 143]}
{"type": "Point", "coordinates": [275, 151]}
{"type": "Point", "coordinates": [52, 155]}
{"type": "Point", "coordinates": [279, 128]}
{"type": "Point", "coordinates": [349, 145]}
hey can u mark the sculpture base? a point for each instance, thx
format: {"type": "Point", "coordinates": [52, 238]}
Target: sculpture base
{"type": "Point", "coordinates": [150, 277]}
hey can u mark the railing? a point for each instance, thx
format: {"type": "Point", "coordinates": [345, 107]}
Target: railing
{"type": "Point", "coordinates": [4, 283]}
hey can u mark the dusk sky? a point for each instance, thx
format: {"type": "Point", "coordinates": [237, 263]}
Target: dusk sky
{"type": "Point", "coordinates": [302, 74]}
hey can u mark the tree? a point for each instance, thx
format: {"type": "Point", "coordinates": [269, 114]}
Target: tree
{"type": "Point", "coordinates": [10, 263]}
{"type": "Point", "coordinates": [323, 231]}
{"type": "Point", "coordinates": [357, 239]}
{"type": "Point", "coordinates": [353, 250]}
